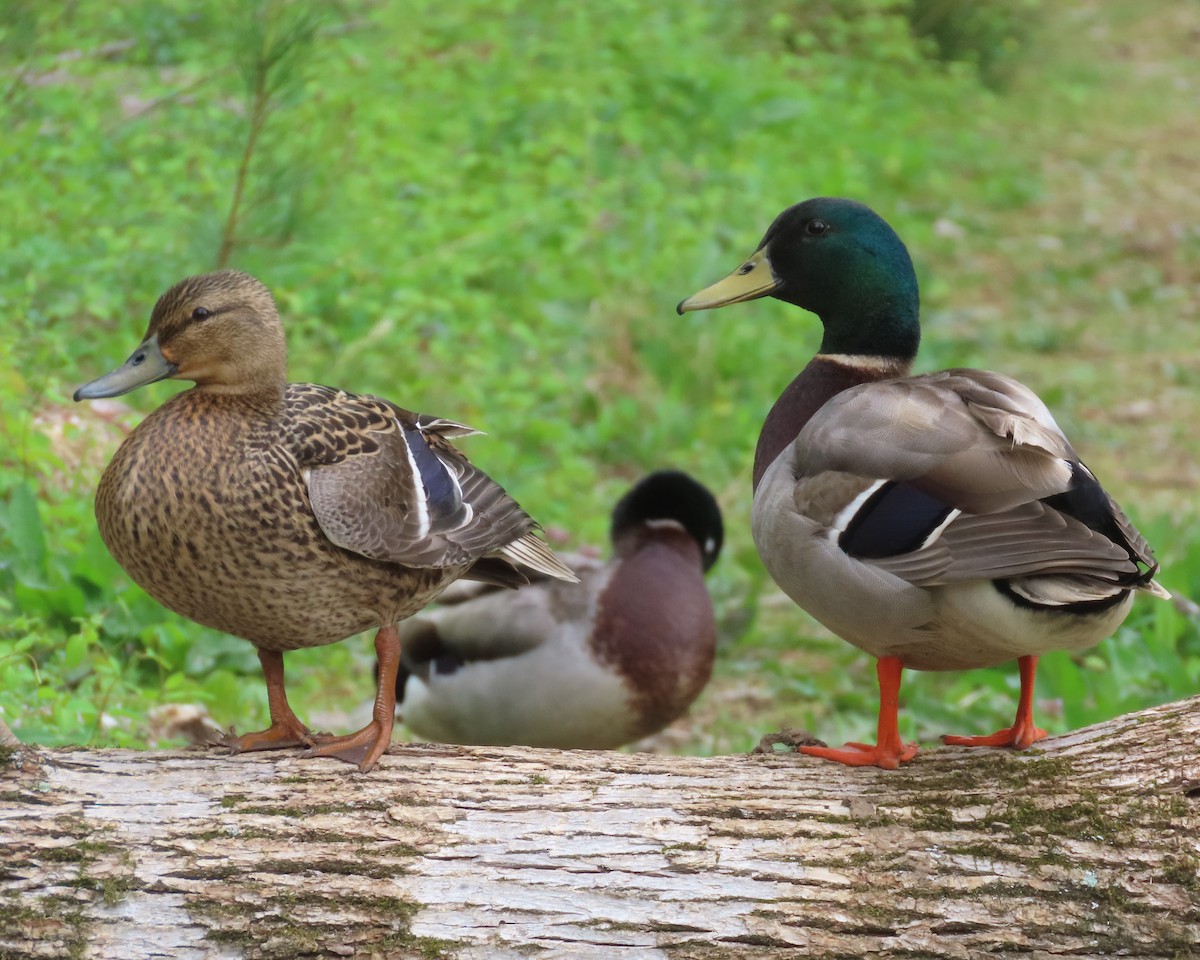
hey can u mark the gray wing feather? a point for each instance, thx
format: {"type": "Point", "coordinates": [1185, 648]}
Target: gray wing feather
{"type": "Point", "coordinates": [978, 440]}
{"type": "Point", "coordinates": [981, 443]}
{"type": "Point", "coordinates": [389, 485]}
{"type": "Point", "coordinates": [494, 624]}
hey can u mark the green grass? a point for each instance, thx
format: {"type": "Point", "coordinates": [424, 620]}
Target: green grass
{"type": "Point", "coordinates": [487, 210]}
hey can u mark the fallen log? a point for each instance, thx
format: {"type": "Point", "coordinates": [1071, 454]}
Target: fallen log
{"type": "Point", "coordinates": [1086, 846]}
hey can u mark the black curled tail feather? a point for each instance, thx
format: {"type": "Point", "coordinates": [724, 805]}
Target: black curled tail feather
{"type": "Point", "coordinates": [1088, 502]}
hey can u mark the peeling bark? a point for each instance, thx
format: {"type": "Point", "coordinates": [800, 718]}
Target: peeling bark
{"type": "Point", "coordinates": [1085, 847]}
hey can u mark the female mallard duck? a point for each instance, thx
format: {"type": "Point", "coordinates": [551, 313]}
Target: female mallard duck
{"type": "Point", "coordinates": [292, 514]}
{"type": "Point", "coordinates": [596, 664]}
{"type": "Point", "coordinates": [939, 522]}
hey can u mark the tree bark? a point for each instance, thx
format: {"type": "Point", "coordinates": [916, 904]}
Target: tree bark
{"type": "Point", "coordinates": [1085, 846]}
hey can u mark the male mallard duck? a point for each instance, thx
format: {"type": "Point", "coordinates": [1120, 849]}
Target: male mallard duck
{"type": "Point", "coordinates": [596, 664]}
{"type": "Point", "coordinates": [292, 514]}
{"type": "Point", "coordinates": [939, 522]}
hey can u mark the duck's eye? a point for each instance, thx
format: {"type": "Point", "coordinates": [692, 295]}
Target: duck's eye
{"type": "Point", "coordinates": [201, 313]}
{"type": "Point", "coordinates": [814, 228]}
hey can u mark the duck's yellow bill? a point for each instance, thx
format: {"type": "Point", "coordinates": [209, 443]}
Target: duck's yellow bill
{"type": "Point", "coordinates": [753, 279]}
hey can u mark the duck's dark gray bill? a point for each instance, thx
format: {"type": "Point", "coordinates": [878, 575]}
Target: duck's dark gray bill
{"type": "Point", "coordinates": [147, 365]}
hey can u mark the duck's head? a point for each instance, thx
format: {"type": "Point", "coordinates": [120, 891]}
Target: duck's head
{"type": "Point", "coordinates": [671, 497]}
{"type": "Point", "coordinates": [840, 260]}
{"type": "Point", "coordinates": [220, 330]}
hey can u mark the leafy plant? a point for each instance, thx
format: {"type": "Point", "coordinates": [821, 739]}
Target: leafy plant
{"type": "Point", "coordinates": [274, 51]}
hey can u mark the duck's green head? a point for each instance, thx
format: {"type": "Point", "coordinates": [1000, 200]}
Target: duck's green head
{"type": "Point", "coordinates": [840, 260]}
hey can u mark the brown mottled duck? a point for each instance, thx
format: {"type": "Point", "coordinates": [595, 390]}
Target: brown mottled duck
{"type": "Point", "coordinates": [293, 514]}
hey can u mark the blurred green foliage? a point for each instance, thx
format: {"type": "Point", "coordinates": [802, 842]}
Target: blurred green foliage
{"type": "Point", "coordinates": [485, 210]}
{"type": "Point", "coordinates": [994, 36]}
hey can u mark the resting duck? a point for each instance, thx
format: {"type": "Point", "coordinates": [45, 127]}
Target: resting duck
{"type": "Point", "coordinates": [591, 665]}
{"type": "Point", "coordinates": [938, 522]}
{"type": "Point", "coordinates": [292, 514]}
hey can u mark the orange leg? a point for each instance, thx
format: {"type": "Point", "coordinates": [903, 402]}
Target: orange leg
{"type": "Point", "coordinates": [1022, 733]}
{"type": "Point", "coordinates": [367, 745]}
{"type": "Point", "coordinates": [889, 751]}
{"type": "Point", "coordinates": [285, 730]}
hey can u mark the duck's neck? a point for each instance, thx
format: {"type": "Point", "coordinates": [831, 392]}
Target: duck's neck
{"type": "Point", "coordinates": [264, 400]}
{"type": "Point", "coordinates": [256, 371]}
{"type": "Point", "coordinates": [826, 375]}
{"type": "Point", "coordinates": [670, 533]}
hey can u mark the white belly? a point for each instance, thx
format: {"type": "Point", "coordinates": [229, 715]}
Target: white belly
{"type": "Point", "coordinates": [551, 696]}
{"type": "Point", "coordinates": [952, 627]}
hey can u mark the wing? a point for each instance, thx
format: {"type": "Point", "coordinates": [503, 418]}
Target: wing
{"type": "Point", "coordinates": [494, 573]}
{"type": "Point", "coordinates": [956, 476]}
{"type": "Point", "coordinates": [477, 623]}
{"type": "Point", "coordinates": [389, 485]}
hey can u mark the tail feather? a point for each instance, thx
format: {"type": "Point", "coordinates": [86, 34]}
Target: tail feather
{"type": "Point", "coordinates": [1156, 589]}
{"type": "Point", "coordinates": [531, 551]}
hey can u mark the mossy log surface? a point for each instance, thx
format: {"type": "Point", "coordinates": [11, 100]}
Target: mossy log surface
{"type": "Point", "coordinates": [1085, 846]}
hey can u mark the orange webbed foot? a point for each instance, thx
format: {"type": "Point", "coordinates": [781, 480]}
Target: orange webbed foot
{"type": "Point", "coordinates": [1019, 736]}
{"type": "Point", "coordinates": [363, 748]}
{"type": "Point", "coordinates": [285, 730]}
{"type": "Point", "coordinates": [279, 736]}
{"type": "Point", "coordinates": [889, 751]}
{"type": "Point", "coordinates": [366, 746]}
{"type": "Point", "coordinates": [1022, 733]}
{"type": "Point", "coordinates": [866, 754]}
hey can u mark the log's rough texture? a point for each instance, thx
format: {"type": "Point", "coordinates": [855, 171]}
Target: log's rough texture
{"type": "Point", "coordinates": [1088, 846]}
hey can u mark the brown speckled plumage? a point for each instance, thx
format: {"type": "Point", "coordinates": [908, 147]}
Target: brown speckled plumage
{"type": "Point", "coordinates": [292, 515]}
{"type": "Point", "coordinates": [232, 541]}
